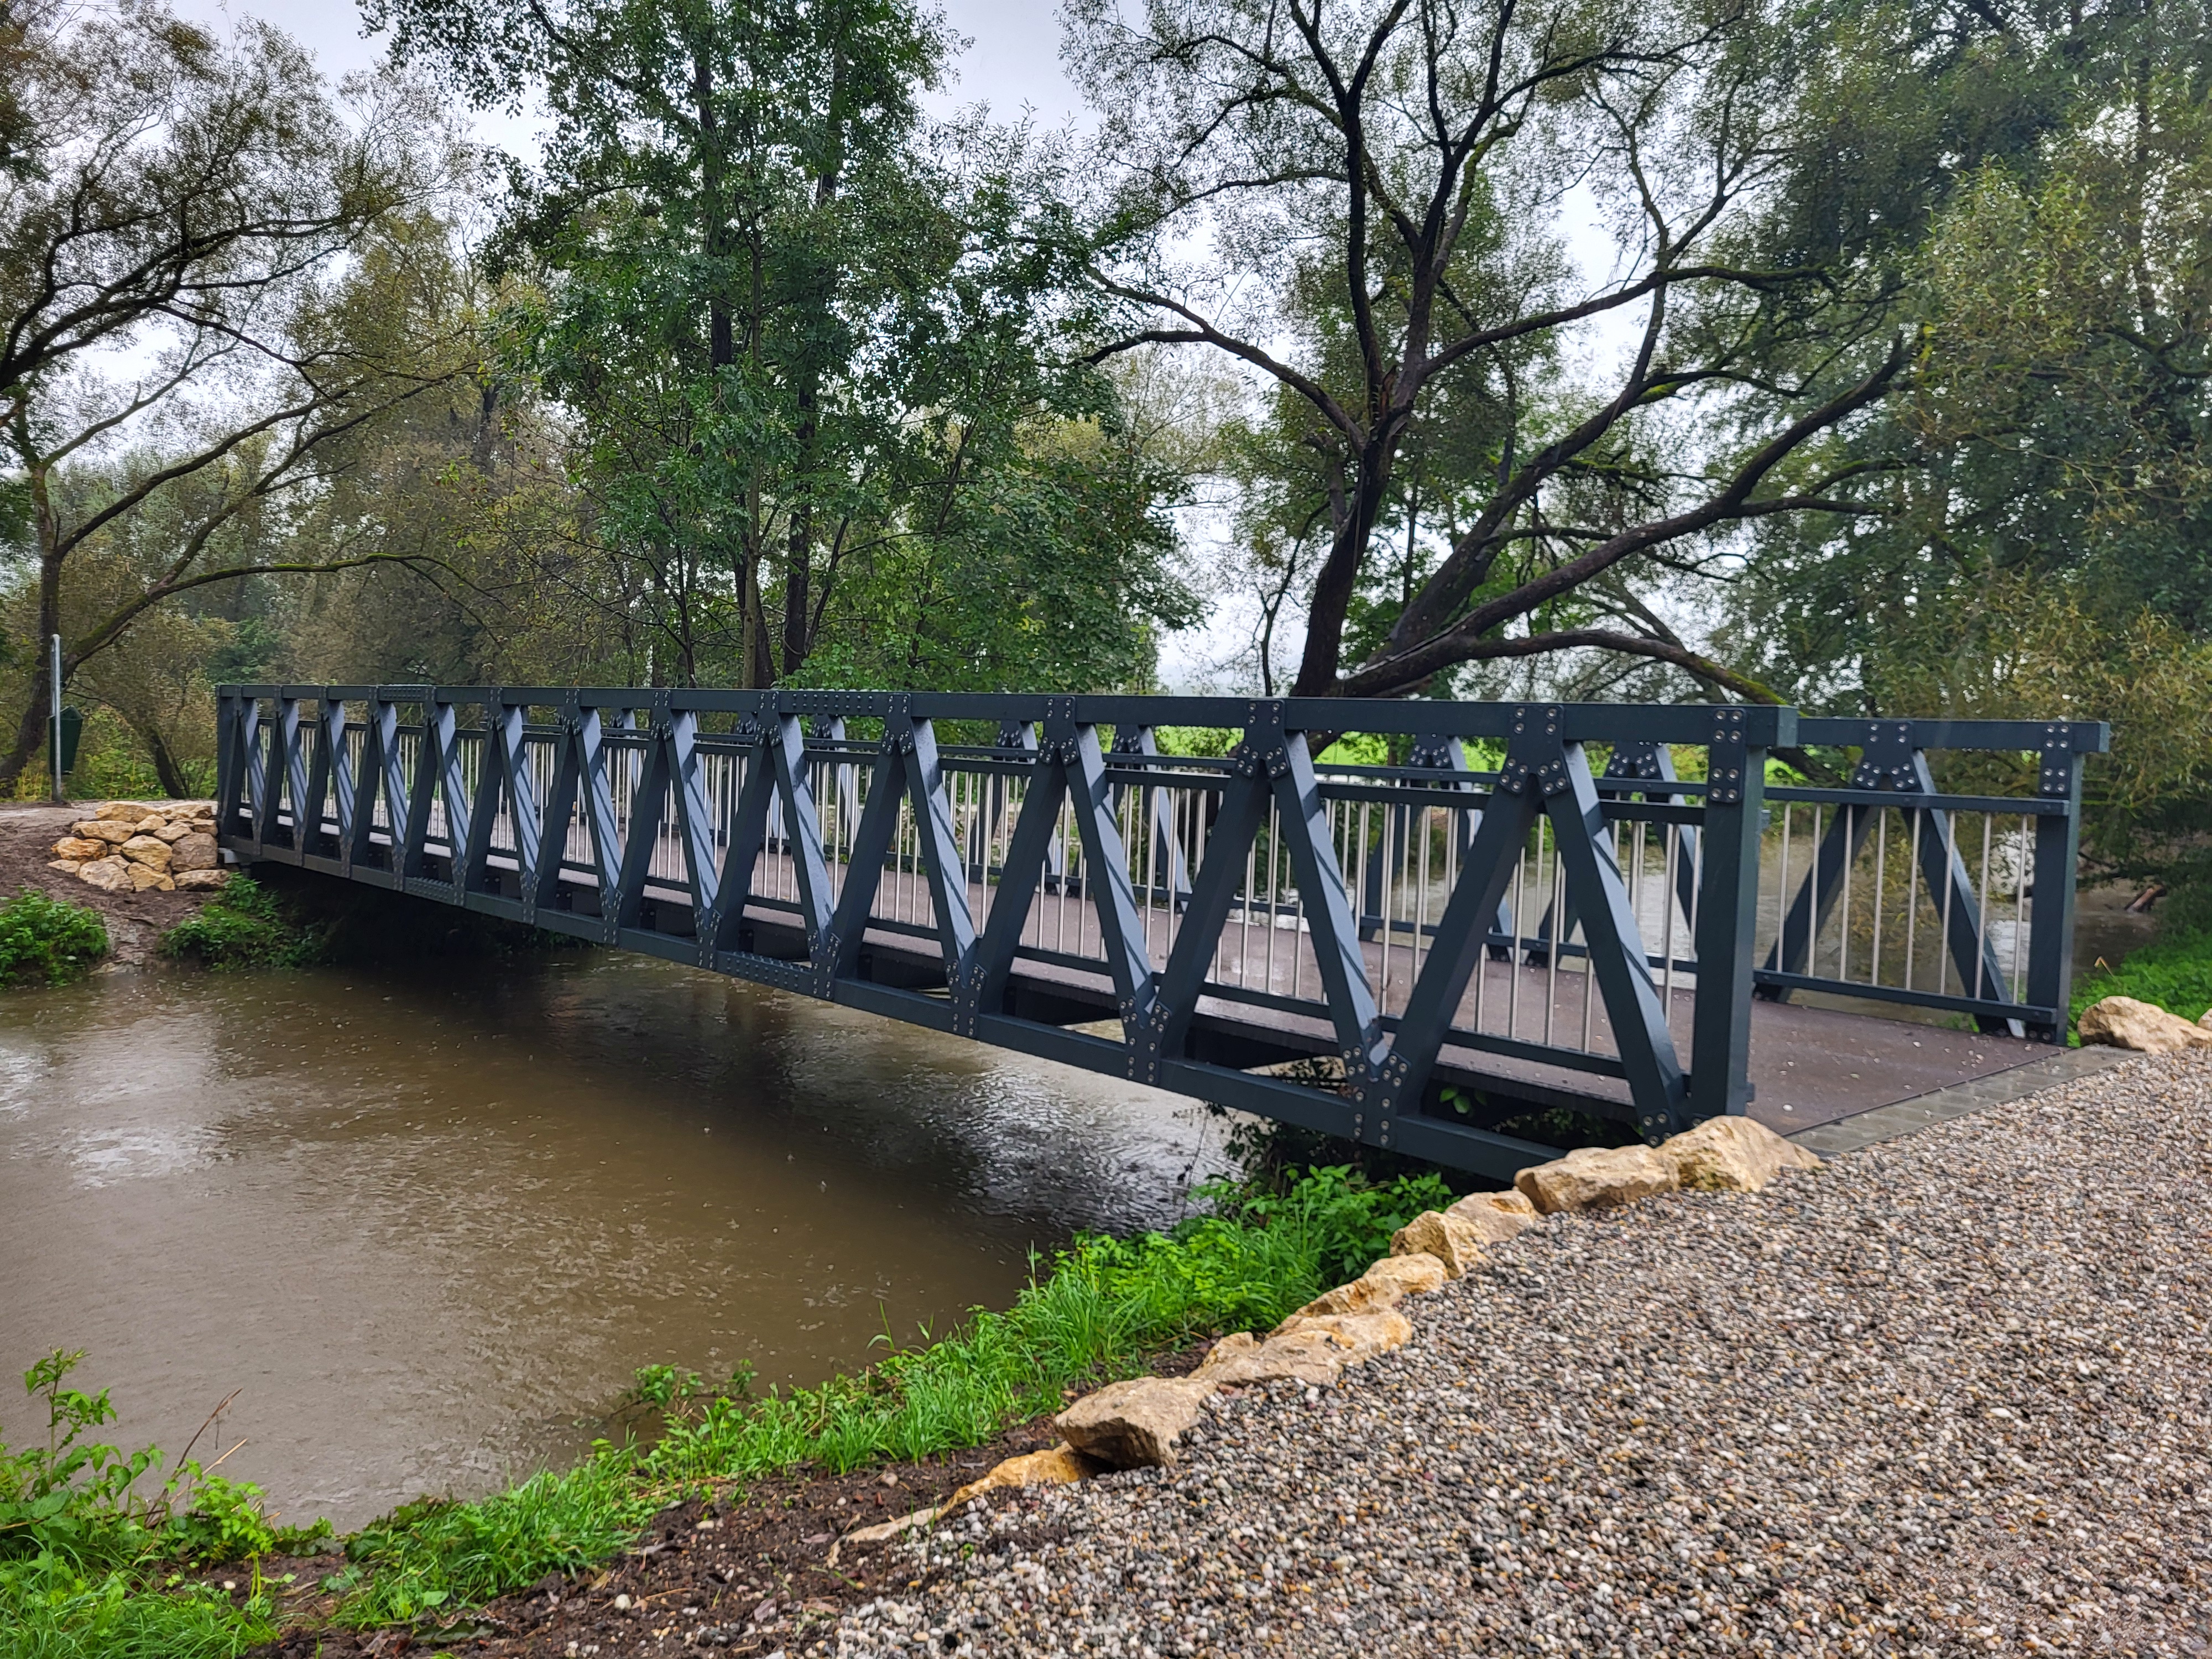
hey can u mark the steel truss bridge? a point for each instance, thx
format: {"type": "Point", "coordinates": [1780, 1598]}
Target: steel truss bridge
{"type": "Point", "coordinates": [1420, 926]}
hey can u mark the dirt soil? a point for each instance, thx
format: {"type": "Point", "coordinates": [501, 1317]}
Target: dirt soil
{"type": "Point", "coordinates": [134, 920]}
{"type": "Point", "coordinates": [746, 1573]}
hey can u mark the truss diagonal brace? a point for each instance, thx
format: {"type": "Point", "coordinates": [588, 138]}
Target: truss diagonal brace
{"type": "Point", "coordinates": [1303, 820]}
{"type": "Point", "coordinates": [1160, 1035]}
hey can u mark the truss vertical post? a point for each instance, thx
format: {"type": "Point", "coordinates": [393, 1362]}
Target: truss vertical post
{"type": "Point", "coordinates": [229, 761]}
{"type": "Point", "coordinates": [1728, 916]}
{"type": "Point", "coordinates": [2058, 849]}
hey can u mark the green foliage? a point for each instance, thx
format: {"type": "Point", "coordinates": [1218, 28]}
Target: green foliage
{"type": "Point", "coordinates": [1103, 1307]}
{"type": "Point", "coordinates": [226, 1523]}
{"type": "Point", "coordinates": [88, 1563]}
{"type": "Point", "coordinates": [48, 941]}
{"type": "Point", "coordinates": [243, 926]}
{"type": "Point", "coordinates": [2174, 971]}
{"type": "Point", "coordinates": [440, 1552]}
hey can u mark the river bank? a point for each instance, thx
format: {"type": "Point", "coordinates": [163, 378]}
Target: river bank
{"type": "Point", "coordinates": [135, 920]}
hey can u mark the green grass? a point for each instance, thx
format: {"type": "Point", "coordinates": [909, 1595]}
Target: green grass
{"type": "Point", "coordinates": [242, 926]}
{"type": "Point", "coordinates": [1104, 1308]}
{"type": "Point", "coordinates": [92, 1568]}
{"type": "Point", "coordinates": [48, 941]}
{"type": "Point", "coordinates": [2174, 971]}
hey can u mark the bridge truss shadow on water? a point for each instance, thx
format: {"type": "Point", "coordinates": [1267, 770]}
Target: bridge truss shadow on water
{"type": "Point", "coordinates": [1602, 907]}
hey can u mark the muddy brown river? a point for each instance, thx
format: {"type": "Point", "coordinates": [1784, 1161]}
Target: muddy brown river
{"type": "Point", "coordinates": [427, 1224]}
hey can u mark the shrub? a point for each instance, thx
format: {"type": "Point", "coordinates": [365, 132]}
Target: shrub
{"type": "Point", "coordinates": [243, 926]}
{"type": "Point", "coordinates": [2174, 970]}
{"type": "Point", "coordinates": [48, 940]}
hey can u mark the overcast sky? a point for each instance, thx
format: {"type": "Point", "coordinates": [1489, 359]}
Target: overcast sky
{"type": "Point", "coordinates": [1012, 60]}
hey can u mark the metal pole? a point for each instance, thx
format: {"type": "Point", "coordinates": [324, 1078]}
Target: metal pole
{"type": "Point", "coordinates": [54, 712]}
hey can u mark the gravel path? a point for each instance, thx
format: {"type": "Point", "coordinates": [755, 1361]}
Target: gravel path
{"type": "Point", "coordinates": [1948, 1395]}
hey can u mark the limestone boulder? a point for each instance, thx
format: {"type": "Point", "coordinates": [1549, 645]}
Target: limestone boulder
{"type": "Point", "coordinates": [67, 866]}
{"type": "Point", "coordinates": [174, 831]}
{"type": "Point", "coordinates": [80, 848]}
{"type": "Point", "coordinates": [145, 878]}
{"type": "Point", "coordinates": [1055, 1466]}
{"type": "Point", "coordinates": [197, 851]}
{"type": "Point", "coordinates": [1496, 1216]}
{"type": "Point", "coordinates": [122, 812]}
{"type": "Point", "coordinates": [110, 874]}
{"type": "Point", "coordinates": [1597, 1178]}
{"type": "Point", "coordinates": [1354, 1337]}
{"type": "Point", "coordinates": [1134, 1424]}
{"type": "Point", "coordinates": [148, 850]}
{"type": "Point", "coordinates": [107, 831]}
{"type": "Point", "coordinates": [1732, 1155]}
{"type": "Point", "coordinates": [1385, 1285]}
{"type": "Point", "coordinates": [1452, 1241]}
{"type": "Point", "coordinates": [199, 881]}
{"type": "Point", "coordinates": [1308, 1357]}
{"type": "Point", "coordinates": [2124, 1023]}
{"type": "Point", "coordinates": [152, 822]}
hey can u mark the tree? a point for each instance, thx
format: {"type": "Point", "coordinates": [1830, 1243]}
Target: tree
{"type": "Point", "coordinates": [806, 342]}
{"type": "Point", "coordinates": [1376, 187]}
{"type": "Point", "coordinates": [181, 204]}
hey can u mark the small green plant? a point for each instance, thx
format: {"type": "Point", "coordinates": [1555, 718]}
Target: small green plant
{"type": "Point", "coordinates": [88, 1562]}
{"type": "Point", "coordinates": [242, 926]}
{"type": "Point", "coordinates": [48, 941]}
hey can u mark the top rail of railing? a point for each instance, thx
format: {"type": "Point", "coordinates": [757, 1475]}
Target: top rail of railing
{"type": "Point", "coordinates": [1459, 940]}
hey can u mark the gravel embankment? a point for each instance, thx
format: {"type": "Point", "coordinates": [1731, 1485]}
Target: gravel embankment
{"type": "Point", "coordinates": [1948, 1395]}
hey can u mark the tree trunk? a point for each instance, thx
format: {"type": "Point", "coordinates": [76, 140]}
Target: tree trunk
{"type": "Point", "coordinates": [174, 784]}
{"type": "Point", "coordinates": [1323, 659]}
{"type": "Point", "coordinates": [38, 718]}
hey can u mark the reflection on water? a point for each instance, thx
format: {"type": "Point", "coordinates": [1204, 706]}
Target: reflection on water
{"type": "Point", "coordinates": [431, 1223]}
